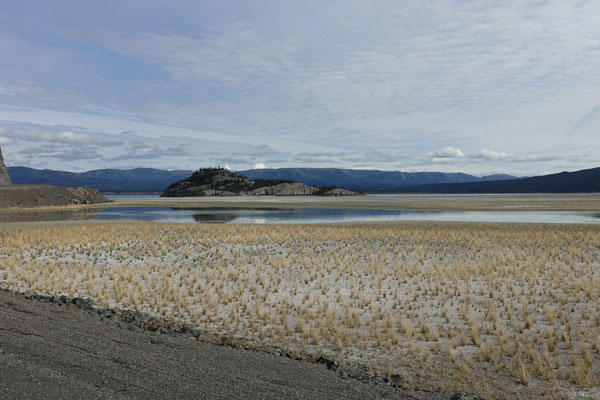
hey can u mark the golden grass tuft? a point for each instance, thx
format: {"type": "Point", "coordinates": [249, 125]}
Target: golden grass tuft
{"type": "Point", "coordinates": [498, 306]}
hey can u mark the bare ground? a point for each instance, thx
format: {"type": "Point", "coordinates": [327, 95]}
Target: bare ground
{"type": "Point", "coordinates": [51, 350]}
{"type": "Point", "coordinates": [28, 196]}
{"type": "Point", "coordinates": [479, 202]}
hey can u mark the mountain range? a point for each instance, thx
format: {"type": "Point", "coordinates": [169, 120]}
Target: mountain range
{"type": "Point", "coordinates": [150, 180]}
{"type": "Point", "coordinates": [584, 181]}
{"type": "Point", "coordinates": [139, 180]}
{"type": "Point", "coordinates": [364, 179]}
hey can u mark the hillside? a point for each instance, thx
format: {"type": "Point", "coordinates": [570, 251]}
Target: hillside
{"type": "Point", "coordinates": [222, 182]}
{"type": "Point", "coordinates": [365, 180]}
{"type": "Point", "coordinates": [105, 180]}
{"type": "Point", "coordinates": [584, 181]}
{"type": "Point", "coordinates": [30, 196]}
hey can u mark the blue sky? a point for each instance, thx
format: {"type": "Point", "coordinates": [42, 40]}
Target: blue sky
{"type": "Point", "coordinates": [480, 87]}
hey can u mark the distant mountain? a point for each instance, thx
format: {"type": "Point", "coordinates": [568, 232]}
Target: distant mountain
{"type": "Point", "coordinates": [150, 180]}
{"type": "Point", "coordinates": [222, 182]}
{"type": "Point", "coordinates": [365, 180]}
{"type": "Point", "coordinates": [584, 181]}
{"type": "Point", "coordinates": [105, 180]}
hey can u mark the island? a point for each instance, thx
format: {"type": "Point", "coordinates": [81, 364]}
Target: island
{"type": "Point", "coordinates": [223, 182]}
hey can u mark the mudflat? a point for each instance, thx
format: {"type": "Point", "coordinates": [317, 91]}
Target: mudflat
{"type": "Point", "coordinates": [479, 202]}
{"type": "Point", "coordinates": [60, 351]}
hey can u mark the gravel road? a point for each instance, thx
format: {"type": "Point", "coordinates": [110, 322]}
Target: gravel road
{"type": "Point", "coordinates": [58, 351]}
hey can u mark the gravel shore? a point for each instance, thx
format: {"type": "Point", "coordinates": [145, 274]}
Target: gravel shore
{"type": "Point", "coordinates": [59, 350]}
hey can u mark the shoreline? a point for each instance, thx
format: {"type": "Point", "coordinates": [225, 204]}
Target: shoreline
{"type": "Point", "coordinates": [463, 202]}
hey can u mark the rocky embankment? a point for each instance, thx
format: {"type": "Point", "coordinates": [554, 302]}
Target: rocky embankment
{"type": "Point", "coordinates": [222, 182]}
{"type": "Point", "coordinates": [28, 196]}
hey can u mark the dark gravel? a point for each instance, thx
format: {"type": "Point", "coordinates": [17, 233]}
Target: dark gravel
{"type": "Point", "coordinates": [51, 350]}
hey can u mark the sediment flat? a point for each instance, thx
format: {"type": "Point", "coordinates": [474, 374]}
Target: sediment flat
{"type": "Point", "coordinates": [479, 202]}
{"type": "Point", "coordinates": [462, 202]}
{"type": "Point", "coordinates": [59, 351]}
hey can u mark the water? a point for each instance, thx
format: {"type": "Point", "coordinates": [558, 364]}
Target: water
{"type": "Point", "coordinates": [301, 216]}
{"type": "Point", "coordinates": [329, 215]}
{"type": "Point", "coordinates": [131, 196]}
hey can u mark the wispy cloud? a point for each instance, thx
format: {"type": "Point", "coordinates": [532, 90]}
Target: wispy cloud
{"type": "Point", "coordinates": [478, 86]}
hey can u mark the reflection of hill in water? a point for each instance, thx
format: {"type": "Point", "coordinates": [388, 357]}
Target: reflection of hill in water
{"type": "Point", "coordinates": [220, 215]}
{"type": "Point", "coordinates": [214, 218]}
{"type": "Point", "coordinates": [33, 216]}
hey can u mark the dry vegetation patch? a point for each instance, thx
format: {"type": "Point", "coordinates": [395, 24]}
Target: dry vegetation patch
{"type": "Point", "coordinates": [500, 310]}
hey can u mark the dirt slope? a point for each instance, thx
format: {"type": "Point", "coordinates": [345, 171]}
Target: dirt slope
{"type": "Point", "coordinates": [53, 350]}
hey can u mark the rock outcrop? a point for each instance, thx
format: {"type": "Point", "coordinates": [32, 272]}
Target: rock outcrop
{"type": "Point", "coordinates": [222, 182]}
{"type": "Point", "coordinates": [30, 196]}
{"type": "Point", "coordinates": [4, 177]}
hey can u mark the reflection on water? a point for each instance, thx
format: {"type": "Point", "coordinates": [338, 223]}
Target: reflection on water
{"type": "Point", "coordinates": [298, 216]}
{"type": "Point", "coordinates": [213, 218]}
{"type": "Point", "coordinates": [31, 216]}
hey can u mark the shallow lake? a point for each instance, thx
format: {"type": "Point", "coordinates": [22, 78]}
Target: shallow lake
{"type": "Point", "coordinates": [301, 216]}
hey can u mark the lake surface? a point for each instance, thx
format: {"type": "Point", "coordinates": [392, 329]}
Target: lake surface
{"type": "Point", "coordinates": [301, 216]}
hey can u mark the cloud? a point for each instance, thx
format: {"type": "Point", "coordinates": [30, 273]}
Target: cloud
{"type": "Point", "coordinates": [151, 152]}
{"type": "Point", "coordinates": [137, 145]}
{"type": "Point", "coordinates": [387, 85]}
{"type": "Point", "coordinates": [449, 152]}
{"type": "Point", "coordinates": [16, 159]}
{"type": "Point", "coordinates": [73, 138]}
{"type": "Point", "coordinates": [493, 155]}
{"type": "Point", "coordinates": [5, 140]}
{"type": "Point", "coordinates": [70, 155]}
{"type": "Point", "coordinates": [258, 166]}
{"type": "Point", "coordinates": [64, 137]}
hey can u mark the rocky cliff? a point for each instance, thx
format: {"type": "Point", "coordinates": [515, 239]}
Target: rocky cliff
{"type": "Point", "coordinates": [222, 182]}
{"type": "Point", "coordinates": [4, 177]}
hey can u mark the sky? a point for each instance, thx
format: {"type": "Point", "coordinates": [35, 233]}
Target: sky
{"type": "Point", "coordinates": [473, 86]}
